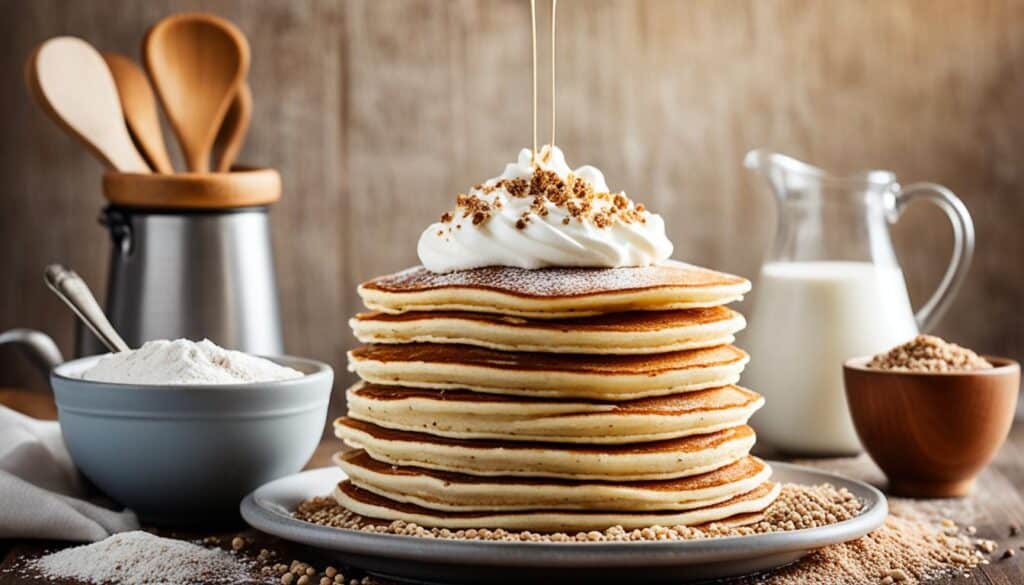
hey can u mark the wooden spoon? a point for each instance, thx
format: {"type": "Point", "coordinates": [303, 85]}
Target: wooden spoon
{"type": "Point", "coordinates": [197, 63]}
{"type": "Point", "coordinates": [72, 83]}
{"type": "Point", "coordinates": [140, 112]}
{"type": "Point", "coordinates": [232, 134]}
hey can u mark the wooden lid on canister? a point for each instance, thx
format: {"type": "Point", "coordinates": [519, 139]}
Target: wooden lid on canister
{"type": "Point", "coordinates": [242, 187]}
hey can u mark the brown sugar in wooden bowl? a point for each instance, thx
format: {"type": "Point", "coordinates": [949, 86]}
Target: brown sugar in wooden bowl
{"type": "Point", "coordinates": [242, 187]}
{"type": "Point", "coordinates": [931, 433]}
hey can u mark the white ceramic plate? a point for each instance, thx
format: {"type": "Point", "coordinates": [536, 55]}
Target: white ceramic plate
{"type": "Point", "coordinates": [418, 560]}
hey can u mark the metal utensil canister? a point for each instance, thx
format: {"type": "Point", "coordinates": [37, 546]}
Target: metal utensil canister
{"type": "Point", "coordinates": [192, 257]}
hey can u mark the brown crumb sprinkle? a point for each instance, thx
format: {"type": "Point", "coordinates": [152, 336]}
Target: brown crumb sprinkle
{"type": "Point", "coordinates": [517, 187]}
{"type": "Point", "coordinates": [796, 507]}
{"type": "Point", "coordinates": [575, 195]}
{"type": "Point", "coordinates": [473, 206]}
{"type": "Point", "coordinates": [927, 353]}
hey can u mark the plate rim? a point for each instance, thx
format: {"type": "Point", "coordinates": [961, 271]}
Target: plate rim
{"type": "Point", "coordinates": [566, 555]}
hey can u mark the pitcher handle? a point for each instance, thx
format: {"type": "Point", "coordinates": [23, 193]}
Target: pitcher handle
{"type": "Point", "coordinates": [963, 246]}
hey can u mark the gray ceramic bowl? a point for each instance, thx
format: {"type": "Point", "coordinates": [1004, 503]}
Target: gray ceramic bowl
{"type": "Point", "coordinates": [181, 454]}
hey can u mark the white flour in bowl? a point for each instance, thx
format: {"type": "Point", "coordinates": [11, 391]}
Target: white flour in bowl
{"type": "Point", "coordinates": [184, 362]}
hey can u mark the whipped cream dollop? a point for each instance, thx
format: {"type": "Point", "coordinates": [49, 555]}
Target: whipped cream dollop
{"type": "Point", "coordinates": [542, 213]}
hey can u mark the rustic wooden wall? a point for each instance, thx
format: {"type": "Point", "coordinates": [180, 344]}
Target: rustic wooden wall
{"type": "Point", "coordinates": [378, 111]}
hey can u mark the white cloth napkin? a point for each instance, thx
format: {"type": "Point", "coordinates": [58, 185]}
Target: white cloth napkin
{"type": "Point", "coordinates": [41, 493]}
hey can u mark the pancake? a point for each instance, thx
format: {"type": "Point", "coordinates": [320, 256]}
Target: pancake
{"type": "Point", "coordinates": [636, 332]}
{"type": "Point", "coordinates": [657, 460]}
{"type": "Point", "coordinates": [454, 492]}
{"type": "Point", "coordinates": [461, 414]}
{"type": "Point", "coordinates": [371, 505]}
{"type": "Point", "coordinates": [609, 377]}
{"type": "Point", "coordinates": [554, 292]}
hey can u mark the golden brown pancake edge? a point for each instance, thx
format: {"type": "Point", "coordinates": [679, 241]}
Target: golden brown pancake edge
{"type": "Point", "coordinates": [604, 364]}
{"type": "Point", "coordinates": [688, 444]}
{"type": "Point", "coordinates": [739, 470]}
{"type": "Point", "coordinates": [722, 397]}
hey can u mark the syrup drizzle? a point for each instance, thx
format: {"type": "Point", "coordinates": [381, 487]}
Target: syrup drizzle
{"type": "Point", "coordinates": [533, 31]}
{"type": "Point", "coordinates": [533, 37]}
{"type": "Point", "coordinates": [554, 11]}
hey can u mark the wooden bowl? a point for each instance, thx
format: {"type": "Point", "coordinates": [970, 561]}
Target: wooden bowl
{"type": "Point", "coordinates": [242, 187]}
{"type": "Point", "coordinates": [931, 433]}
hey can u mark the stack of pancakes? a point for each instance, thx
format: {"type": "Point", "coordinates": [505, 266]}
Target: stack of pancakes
{"type": "Point", "coordinates": [551, 400]}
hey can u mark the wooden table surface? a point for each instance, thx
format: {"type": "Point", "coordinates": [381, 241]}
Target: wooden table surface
{"type": "Point", "coordinates": [997, 503]}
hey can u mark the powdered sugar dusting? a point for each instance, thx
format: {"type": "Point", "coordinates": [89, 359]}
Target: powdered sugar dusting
{"type": "Point", "coordinates": [140, 558]}
{"type": "Point", "coordinates": [180, 362]}
{"type": "Point", "coordinates": [558, 282]}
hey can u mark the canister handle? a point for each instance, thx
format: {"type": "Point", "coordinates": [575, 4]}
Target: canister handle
{"type": "Point", "coordinates": [120, 229]}
{"type": "Point", "coordinates": [963, 245]}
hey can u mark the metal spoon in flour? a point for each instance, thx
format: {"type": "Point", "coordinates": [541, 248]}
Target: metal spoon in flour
{"type": "Point", "coordinates": [76, 294]}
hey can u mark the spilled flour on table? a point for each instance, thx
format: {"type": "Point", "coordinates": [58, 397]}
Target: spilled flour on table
{"type": "Point", "coordinates": [902, 551]}
{"type": "Point", "coordinates": [140, 558]}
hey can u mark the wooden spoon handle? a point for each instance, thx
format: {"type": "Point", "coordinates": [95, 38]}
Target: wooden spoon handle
{"type": "Point", "coordinates": [139, 105]}
{"type": "Point", "coordinates": [236, 125]}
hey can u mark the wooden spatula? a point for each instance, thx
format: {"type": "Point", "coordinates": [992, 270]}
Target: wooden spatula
{"type": "Point", "coordinates": [140, 112]}
{"type": "Point", "coordinates": [72, 83]}
{"type": "Point", "coordinates": [232, 134]}
{"type": "Point", "coordinates": [197, 63]}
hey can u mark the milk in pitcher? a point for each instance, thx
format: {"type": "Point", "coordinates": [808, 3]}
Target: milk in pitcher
{"type": "Point", "coordinates": [808, 318]}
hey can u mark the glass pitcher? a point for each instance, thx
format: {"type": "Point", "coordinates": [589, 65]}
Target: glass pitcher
{"type": "Point", "coordinates": [831, 289]}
